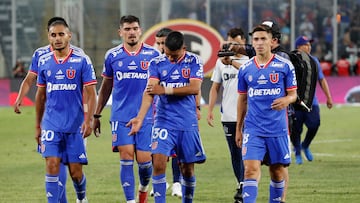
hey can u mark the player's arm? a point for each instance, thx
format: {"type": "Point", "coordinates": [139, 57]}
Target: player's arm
{"type": "Point", "coordinates": [91, 104]}
{"type": "Point", "coordinates": [40, 99]}
{"type": "Point", "coordinates": [104, 94]}
{"type": "Point", "coordinates": [241, 112]}
{"type": "Point", "coordinates": [192, 89]}
{"type": "Point", "coordinates": [325, 87]}
{"type": "Point", "coordinates": [283, 102]}
{"type": "Point", "coordinates": [147, 101]}
{"type": "Point", "coordinates": [198, 103]}
{"type": "Point", "coordinates": [25, 86]}
{"type": "Point", "coordinates": [213, 94]}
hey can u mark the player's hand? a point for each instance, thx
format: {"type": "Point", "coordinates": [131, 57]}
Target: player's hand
{"type": "Point", "coordinates": [210, 119]}
{"type": "Point", "coordinates": [226, 60]}
{"type": "Point", "coordinates": [279, 103]}
{"type": "Point", "coordinates": [198, 114]}
{"type": "Point", "coordinates": [329, 103]}
{"type": "Point", "coordinates": [38, 135]}
{"type": "Point", "coordinates": [96, 126]}
{"type": "Point", "coordinates": [155, 89]}
{"type": "Point", "coordinates": [86, 129]}
{"type": "Point", "coordinates": [238, 139]}
{"type": "Point", "coordinates": [135, 124]}
{"type": "Point", "coordinates": [17, 107]}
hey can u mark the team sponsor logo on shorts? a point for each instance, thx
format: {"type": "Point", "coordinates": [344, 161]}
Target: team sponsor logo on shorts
{"type": "Point", "coordinates": [154, 145]}
{"type": "Point", "coordinates": [244, 150]}
{"type": "Point", "coordinates": [43, 148]}
{"type": "Point", "coordinates": [114, 137]}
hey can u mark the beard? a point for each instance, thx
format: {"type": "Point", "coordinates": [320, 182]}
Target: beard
{"type": "Point", "coordinates": [59, 48]}
{"type": "Point", "coordinates": [132, 43]}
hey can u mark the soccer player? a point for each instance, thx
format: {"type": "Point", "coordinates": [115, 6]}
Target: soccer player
{"type": "Point", "coordinates": [125, 75]}
{"type": "Point", "coordinates": [310, 119]}
{"type": "Point", "coordinates": [24, 90]}
{"type": "Point", "coordinates": [225, 75]}
{"type": "Point", "coordinates": [62, 75]}
{"type": "Point", "coordinates": [176, 187]}
{"type": "Point", "coordinates": [266, 86]}
{"type": "Point", "coordinates": [176, 78]}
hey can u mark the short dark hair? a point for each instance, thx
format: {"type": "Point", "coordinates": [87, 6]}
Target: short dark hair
{"type": "Point", "coordinates": [56, 20]}
{"type": "Point", "coordinates": [129, 19]}
{"type": "Point", "coordinates": [174, 41]}
{"type": "Point", "coordinates": [234, 32]}
{"type": "Point", "coordinates": [261, 27]}
{"type": "Point", "coordinates": [163, 32]}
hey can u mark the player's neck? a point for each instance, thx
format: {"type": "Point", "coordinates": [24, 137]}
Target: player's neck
{"type": "Point", "coordinates": [132, 49]}
{"type": "Point", "coordinates": [264, 58]}
{"type": "Point", "coordinates": [62, 53]}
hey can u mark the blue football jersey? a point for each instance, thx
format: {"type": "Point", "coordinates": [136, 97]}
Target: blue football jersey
{"type": "Point", "coordinates": [41, 51]}
{"type": "Point", "coordinates": [264, 84]}
{"type": "Point", "coordinates": [64, 83]}
{"type": "Point", "coordinates": [129, 72]}
{"type": "Point", "coordinates": [176, 112]}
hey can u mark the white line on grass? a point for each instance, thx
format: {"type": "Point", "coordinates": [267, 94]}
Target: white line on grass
{"type": "Point", "coordinates": [332, 141]}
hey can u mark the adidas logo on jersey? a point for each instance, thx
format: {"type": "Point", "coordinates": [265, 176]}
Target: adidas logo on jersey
{"type": "Point", "coordinates": [132, 65]}
{"type": "Point", "coordinates": [262, 77]}
{"type": "Point", "coordinates": [176, 72]}
{"type": "Point", "coordinates": [82, 156]}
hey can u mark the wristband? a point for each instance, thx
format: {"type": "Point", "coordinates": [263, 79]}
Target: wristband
{"type": "Point", "coordinates": [169, 90]}
{"type": "Point", "coordinates": [198, 107]}
{"type": "Point", "coordinates": [97, 116]}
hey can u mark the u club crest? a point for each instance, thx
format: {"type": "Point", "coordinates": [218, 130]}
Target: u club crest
{"type": "Point", "coordinates": [274, 77]}
{"type": "Point", "coordinates": [70, 73]}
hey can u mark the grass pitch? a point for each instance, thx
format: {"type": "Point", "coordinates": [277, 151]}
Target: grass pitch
{"type": "Point", "coordinates": [333, 176]}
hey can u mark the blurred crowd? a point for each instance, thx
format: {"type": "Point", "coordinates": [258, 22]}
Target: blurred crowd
{"type": "Point", "coordinates": [314, 21]}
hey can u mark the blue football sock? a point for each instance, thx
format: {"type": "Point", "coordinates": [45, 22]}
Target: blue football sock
{"type": "Point", "coordinates": [250, 191]}
{"type": "Point", "coordinates": [159, 186]}
{"type": "Point", "coordinates": [145, 171]}
{"type": "Point", "coordinates": [276, 191]}
{"type": "Point", "coordinates": [52, 188]}
{"type": "Point", "coordinates": [127, 178]}
{"type": "Point", "coordinates": [188, 188]}
{"type": "Point", "coordinates": [62, 183]}
{"type": "Point", "coordinates": [175, 169]}
{"type": "Point", "coordinates": [80, 188]}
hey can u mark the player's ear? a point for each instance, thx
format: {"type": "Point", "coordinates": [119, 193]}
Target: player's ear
{"type": "Point", "coordinates": [119, 32]}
